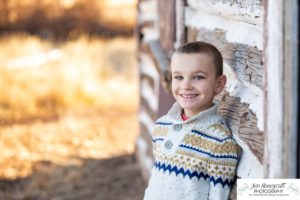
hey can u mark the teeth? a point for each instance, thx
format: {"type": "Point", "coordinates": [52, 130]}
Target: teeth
{"type": "Point", "coordinates": [188, 95]}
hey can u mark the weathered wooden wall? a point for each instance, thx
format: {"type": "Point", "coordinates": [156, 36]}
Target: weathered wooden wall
{"type": "Point", "coordinates": [153, 64]}
{"type": "Point", "coordinates": [236, 28]}
{"type": "Point", "coordinates": [281, 89]}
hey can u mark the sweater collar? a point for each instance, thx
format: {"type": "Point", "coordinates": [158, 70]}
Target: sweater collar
{"type": "Point", "coordinates": [207, 116]}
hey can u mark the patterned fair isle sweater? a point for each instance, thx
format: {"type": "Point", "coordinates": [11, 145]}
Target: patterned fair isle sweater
{"type": "Point", "coordinates": [195, 159]}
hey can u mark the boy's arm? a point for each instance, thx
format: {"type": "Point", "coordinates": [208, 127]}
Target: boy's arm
{"type": "Point", "coordinates": [222, 169]}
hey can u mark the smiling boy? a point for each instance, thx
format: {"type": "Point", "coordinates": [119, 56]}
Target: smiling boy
{"type": "Point", "coordinates": [194, 151]}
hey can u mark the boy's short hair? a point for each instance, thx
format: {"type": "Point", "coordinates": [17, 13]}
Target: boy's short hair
{"type": "Point", "coordinates": [203, 47]}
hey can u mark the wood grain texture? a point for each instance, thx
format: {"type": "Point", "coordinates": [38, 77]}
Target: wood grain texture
{"type": "Point", "coordinates": [180, 27]}
{"type": "Point", "coordinates": [242, 122]}
{"type": "Point", "coordinates": [145, 105]}
{"type": "Point", "coordinates": [233, 191]}
{"type": "Point", "coordinates": [162, 63]}
{"type": "Point", "coordinates": [148, 138]}
{"type": "Point", "coordinates": [248, 11]}
{"type": "Point", "coordinates": [291, 49]}
{"type": "Point", "coordinates": [245, 60]}
{"type": "Point", "coordinates": [166, 11]}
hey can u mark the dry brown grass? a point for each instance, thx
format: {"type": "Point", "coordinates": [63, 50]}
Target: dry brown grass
{"type": "Point", "coordinates": [66, 18]}
{"type": "Point", "coordinates": [89, 71]}
{"type": "Point", "coordinates": [68, 123]}
{"type": "Point", "coordinates": [68, 109]}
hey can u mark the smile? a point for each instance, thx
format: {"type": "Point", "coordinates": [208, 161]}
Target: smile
{"type": "Point", "coordinates": [188, 95]}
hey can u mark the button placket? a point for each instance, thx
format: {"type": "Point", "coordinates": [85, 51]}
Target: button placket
{"type": "Point", "coordinates": [173, 138]}
{"type": "Point", "coordinates": [168, 144]}
{"type": "Point", "coordinates": [177, 127]}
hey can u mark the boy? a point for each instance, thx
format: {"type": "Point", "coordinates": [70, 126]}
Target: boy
{"type": "Point", "coordinates": [195, 153]}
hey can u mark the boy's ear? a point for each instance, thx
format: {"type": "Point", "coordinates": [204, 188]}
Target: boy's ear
{"type": "Point", "coordinates": [220, 84]}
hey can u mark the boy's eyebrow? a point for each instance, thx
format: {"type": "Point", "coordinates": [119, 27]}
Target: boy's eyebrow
{"type": "Point", "coordinates": [199, 71]}
{"type": "Point", "coordinates": [195, 72]}
{"type": "Point", "coordinates": [176, 72]}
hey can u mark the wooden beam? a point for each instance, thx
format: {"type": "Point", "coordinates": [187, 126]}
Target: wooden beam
{"type": "Point", "coordinates": [166, 13]}
{"type": "Point", "coordinates": [162, 62]}
{"type": "Point", "coordinates": [273, 89]}
{"type": "Point", "coordinates": [247, 11]}
{"type": "Point", "coordinates": [180, 27]}
{"type": "Point", "coordinates": [281, 36]}
{"type": "Point", "coordinates": [290, 88]}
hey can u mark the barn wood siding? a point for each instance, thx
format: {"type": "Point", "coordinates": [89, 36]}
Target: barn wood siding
{"type": "Point", "coordinates": [166, 11]}
{"type": "Point", "coordinates": [235, 28]}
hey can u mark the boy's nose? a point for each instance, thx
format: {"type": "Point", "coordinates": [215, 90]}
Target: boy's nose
{"type": "Point", "coordinates": [186, 84]}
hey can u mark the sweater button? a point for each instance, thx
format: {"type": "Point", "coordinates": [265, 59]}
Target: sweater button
{"type": "Point", "coordinates": [177, 127]}
{"type": "Point", "coordinates": [168, 144]}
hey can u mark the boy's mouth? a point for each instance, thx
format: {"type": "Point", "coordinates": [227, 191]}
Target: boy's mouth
{"type": "Point", "coordinates": [188, 96]}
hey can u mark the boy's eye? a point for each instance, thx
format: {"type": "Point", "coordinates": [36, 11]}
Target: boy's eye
{"type": "Point", "coordinates": [198, 77]}
{"type": "Point", "coordinates": [178, 77]}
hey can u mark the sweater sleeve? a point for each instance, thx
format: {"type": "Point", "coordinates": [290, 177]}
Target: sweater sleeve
{"type": "Point", "coordinates": [222, 169]}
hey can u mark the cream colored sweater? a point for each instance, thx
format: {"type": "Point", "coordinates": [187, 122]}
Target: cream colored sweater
{"type": "Point", "coordinates": [195, 159]}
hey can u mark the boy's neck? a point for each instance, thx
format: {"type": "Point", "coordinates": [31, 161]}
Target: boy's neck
{"type": "Point", "coordinates": [190, 114]}
{"type": "Point", "coordinates": [184, 117]}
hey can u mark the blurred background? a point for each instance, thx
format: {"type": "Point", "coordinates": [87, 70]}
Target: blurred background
{"type": "Point", "coordinates": [68, 100]}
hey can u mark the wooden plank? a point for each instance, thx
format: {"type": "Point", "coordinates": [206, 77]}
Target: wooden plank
{"type": "Point", "coordinates": [180, 27]}
{"type": "Point", "coordinates": [291, 39]}
{"type": "Point", "coordinates": [273, 52]}
{"type": "Point", "coordinates": [233, 191]}
{"type": "Point", "coordinates": [150, 94]}
{"type": "Point", "coordinates": [192, 34]}
{"type": "Point", "coordinates": [143, 151]}
{"type": "Point", "coordinates": [245, 60]}
{"type": "Point", "coordinates": [236, 32]}
{"type": "Point", "coordinates": [247, 11]}
{"type": "Point", "coordinates": [166, 101]}
{"type": "Point", "coordinates": [243, 122]}
{"type": "Point", "coordinates": [166, 12]}
{"type": "Point", "coordinates": [162, 62]}
{"type": "Point", "coordinates": [148, 78]}
{"type": "Point", "coordinates": [147, 28]}
{"type": "Point", "coordinates": [144, 160]}
{"type": "Point", "coordinates": [145, 105]}
{"type": "Point", "coordinates": [148, 138]}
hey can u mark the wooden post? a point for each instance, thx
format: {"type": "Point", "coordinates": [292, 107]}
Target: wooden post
{"type": "Point", "coordinates": [280, 155]}
{"type": "Point", "coordinates": [180, 27]}
{"type": "Point", "coordinates": [166, 11]}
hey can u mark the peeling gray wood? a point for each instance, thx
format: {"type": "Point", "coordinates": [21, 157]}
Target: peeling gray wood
{"type": "Point", "coordinates": [162, 62]}
{"type": "Point", "coordinates": [192, 34]}
{"type": "Point", "coordinates": [236, 32]}
{"type": "Point", "coordinates": [166, 11]}
{"type": "Point", "coordinates": [291, 39]}
{"type": "Point", "coordinates": [243, 122]}
{"type": "Point", "coordinates": [274, 64]}
{"type": "Point", "coordinates": [145, 104]}
{"type": "Point", "coordinates": [180, 27]}
{"type": "Point", "coordinates": [246, 61]}
{"type": "Point", "coordinates": [248, 11]}
{"type": "Point", "coordinates": [148, 78]}
{"type": "Point", "coordinates": [147, 137]}
{"type": "Point", "coordinates": [232, 195]}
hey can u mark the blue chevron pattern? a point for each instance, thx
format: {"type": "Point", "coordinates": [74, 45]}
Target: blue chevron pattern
{"type": "Point", "coordinates": [157, 139]}
{"type": "Point", "coordinates": [163, 123]}
{"type": "Point", "coordinates": [190, 174]}
{"type": "Point", "coordinates": [210, 137]}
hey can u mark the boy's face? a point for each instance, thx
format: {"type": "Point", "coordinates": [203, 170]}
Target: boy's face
{"type": "Point", "coordinates": [194, 81]}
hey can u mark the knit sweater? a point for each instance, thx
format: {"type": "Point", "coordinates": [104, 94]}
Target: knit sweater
{"type": "Point", "coordinates": [195, 159]}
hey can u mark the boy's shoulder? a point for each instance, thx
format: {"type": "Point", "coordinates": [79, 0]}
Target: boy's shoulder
{"type": "Point", "coordinates": [221, 129]}
{"type": "Point", "coordinates": [218, 129]}
{"type": "Point", "coordinates": [164, 120]}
